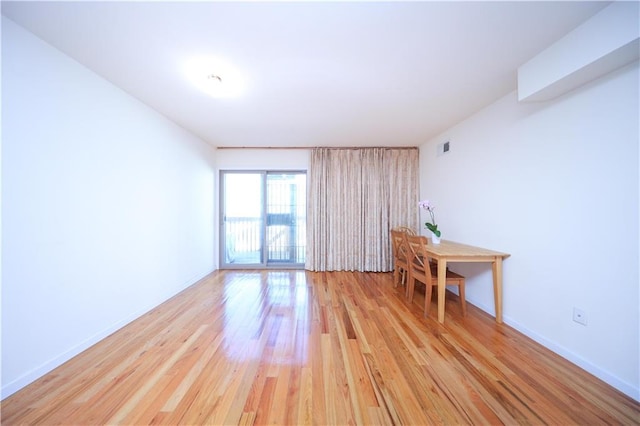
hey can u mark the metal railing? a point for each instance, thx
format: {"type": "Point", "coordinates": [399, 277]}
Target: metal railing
{"type": "Point", "coordinates": [285, 239]}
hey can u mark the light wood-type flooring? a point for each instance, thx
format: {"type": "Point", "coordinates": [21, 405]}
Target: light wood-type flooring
{"type": "Point", "coordinates": [298, 347]}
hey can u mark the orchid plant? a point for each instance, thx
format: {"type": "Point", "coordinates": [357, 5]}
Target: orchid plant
{"type": "Point", "coordinates": [431, 226]}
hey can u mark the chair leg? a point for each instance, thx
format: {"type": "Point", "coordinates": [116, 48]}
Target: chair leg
{"type": "Point", "coordinates": [410, 286]}
{"type": "Point", "coordinates": [396, 275]}
{"type": "Point", "coordinates": [463, 302]}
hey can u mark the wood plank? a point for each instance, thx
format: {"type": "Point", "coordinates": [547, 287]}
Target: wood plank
{"type": "Point", "coordinates": [300, 347]}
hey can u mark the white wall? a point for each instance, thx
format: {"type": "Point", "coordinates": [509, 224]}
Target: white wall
{"type": "Point", "coordinates": [263, 159]}
{"type": "Point", "coordinates": [556, 185]}
{"type": "Point", "coordinates": [107, 208]}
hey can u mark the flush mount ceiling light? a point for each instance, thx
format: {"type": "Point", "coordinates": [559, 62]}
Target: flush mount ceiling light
{"type": "Point", "coordinates": [215, 76]}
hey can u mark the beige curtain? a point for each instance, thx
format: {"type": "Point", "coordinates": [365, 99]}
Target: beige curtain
{"type": "Point", "coordinates": [355, 197]}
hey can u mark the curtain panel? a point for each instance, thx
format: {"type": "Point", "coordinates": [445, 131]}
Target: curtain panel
{"type": "Point", "coordinates": [356, 196]}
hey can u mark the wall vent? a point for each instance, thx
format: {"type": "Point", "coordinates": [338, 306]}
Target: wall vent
{"type": "Point", "coordinates": [444, 148]}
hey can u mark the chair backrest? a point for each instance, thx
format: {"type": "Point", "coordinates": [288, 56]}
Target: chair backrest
{"type": "Point", "coordinates": [405, 229]}
{"type": "Point", "coordinates": [396, 238]}
{"type": "Point", "coordinates": [400, 249]}
{"type": "Point", "coordinates": [418, 253]}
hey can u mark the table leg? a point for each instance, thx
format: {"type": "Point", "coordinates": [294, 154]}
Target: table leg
{"type": "Point", "coordinates": [442, 279]}
{"type": "Point", "coordinates": [497, 287]}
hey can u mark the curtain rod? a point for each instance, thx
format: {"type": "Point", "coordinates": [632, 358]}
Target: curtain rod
{"type": "Point", "coordinates": [315, 147]}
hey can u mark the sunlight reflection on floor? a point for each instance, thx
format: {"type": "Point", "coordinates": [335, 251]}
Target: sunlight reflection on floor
{"type": "Point", "coordinates": [267, 318]}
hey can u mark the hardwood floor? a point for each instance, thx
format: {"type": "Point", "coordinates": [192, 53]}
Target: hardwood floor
{"type": "Point", "coordinates": [297, 347]}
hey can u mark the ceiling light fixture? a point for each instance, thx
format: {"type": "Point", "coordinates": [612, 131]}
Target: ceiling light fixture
{"type": "Point", "coordinates": [198, 71]}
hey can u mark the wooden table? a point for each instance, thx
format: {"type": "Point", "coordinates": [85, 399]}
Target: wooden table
{"type": "Point", "coordinates": [449, 251]}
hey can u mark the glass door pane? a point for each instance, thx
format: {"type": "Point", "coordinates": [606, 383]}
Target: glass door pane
{"type": "Point", "coordinates": [286, 218]}
{"type": "Point", "coordinates": [242, 215]}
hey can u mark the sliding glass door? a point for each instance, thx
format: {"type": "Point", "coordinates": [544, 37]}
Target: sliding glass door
{"type": "Point", "coordinates": [263, 219]}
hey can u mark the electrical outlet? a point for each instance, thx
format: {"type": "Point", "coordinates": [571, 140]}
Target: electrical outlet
{"type": "Point", "coordinates": [579, 316]}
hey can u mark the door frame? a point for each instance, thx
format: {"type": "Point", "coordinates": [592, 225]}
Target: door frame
{"type": "Point", "coordinates": [264, 264]}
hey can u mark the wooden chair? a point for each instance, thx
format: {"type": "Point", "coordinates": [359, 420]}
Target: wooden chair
{"type": "Point", "coordinates": [422, 270]}
{"type": "Point", "coordinates": [401, 256]}
{"type": "Point", "coordinates": [405, 229]}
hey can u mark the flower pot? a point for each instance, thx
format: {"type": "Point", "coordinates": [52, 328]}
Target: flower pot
{"type": "Point", "coordinates": [434, 239]}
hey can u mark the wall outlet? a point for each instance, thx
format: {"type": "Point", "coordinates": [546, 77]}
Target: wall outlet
{"type": "Point", "coordinates": [579, 316]}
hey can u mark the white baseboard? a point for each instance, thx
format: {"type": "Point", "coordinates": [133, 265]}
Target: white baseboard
{"type": "Point", "coordinates": [33, 375]}
{"type": "Point", "coordinates": [41, 370]}
{"type": "Point", "coordinates": [603, 375]}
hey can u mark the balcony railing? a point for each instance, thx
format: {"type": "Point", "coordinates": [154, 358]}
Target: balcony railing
{"type": "Point", "coordinates": [285, 239]}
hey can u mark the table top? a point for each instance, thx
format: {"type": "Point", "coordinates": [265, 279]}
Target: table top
{"type": "Point", "coordinates": [466, 253]}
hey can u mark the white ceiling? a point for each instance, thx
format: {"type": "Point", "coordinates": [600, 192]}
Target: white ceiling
{"type": "Point", "coordinates": [318, 74]}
